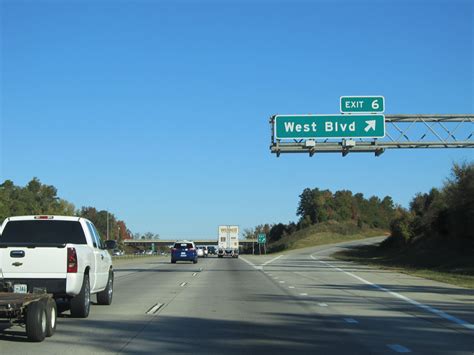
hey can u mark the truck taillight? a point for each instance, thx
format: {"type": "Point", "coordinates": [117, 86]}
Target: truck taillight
{"type": "Point", "coordinates": [71, 260]}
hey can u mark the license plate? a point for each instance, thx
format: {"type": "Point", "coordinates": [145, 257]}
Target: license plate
{"type": "Point", "coordinates": [20, 288]}
{"type": "Point", "coordinates": [183, 254]}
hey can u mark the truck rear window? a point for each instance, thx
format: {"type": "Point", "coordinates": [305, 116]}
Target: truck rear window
{"type": "Point", "coordinates": [43, 232]}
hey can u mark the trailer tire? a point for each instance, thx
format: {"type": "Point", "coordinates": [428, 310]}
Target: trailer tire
{"type": "Point", "coordinates": [51, 316]}
{"type": "Point", "coordinates": [36, 321]}
{"type": "Point", "coordinates": [105, 297]}
{"type": "Point", "coordinates": [81, 304]}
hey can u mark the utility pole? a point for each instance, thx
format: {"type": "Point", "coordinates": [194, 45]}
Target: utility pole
{"type": "Point", "coordinates": [107, 225]}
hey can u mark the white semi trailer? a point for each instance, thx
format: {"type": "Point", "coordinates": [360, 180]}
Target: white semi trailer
{"type": "Point", "coordinates": [228, 241]}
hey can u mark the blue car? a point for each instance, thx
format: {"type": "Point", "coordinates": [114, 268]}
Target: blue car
{"type": "Point", "coordinates": [184, 251]}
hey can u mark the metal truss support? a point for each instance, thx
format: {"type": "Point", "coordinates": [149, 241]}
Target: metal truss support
{"type": "Point", "coordinates": [402, 132]}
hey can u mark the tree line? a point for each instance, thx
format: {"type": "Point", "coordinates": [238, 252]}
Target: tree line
{"type": "Point", "coordinates": [37, 198]}
{"type": "Point", "coordinates": [320, 206]}
{"type": "Point", "coordinates": [442, 216]}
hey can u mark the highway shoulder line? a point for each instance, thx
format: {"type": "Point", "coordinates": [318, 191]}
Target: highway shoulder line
{"type": "Point", "coordinates": [259, 267]}
{"type": "Point", "coordinates": [430, 309]}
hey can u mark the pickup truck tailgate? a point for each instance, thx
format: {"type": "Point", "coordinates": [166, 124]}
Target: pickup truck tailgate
{"type": "Point", "coordinates": [33, 262]}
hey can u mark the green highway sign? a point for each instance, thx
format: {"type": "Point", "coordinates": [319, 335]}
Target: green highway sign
{"type": "Point", "coordinates": [329, 126]}
{"type": "Point", "coordinates": [362, 104]}
{"type": "Point", "coordinates": [262, 239]}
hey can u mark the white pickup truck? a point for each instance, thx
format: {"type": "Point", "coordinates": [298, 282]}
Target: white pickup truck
{"type": "Point", "coordinates": [62, 255]}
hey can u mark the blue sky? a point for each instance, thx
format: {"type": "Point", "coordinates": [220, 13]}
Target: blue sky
{"type": "Point", "coordinates": [158, 111]}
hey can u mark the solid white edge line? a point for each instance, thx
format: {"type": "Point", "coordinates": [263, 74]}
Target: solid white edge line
{"type": "Point", "coordinates": [442, 314]}
{"type": "Point", "coordinates": [272, 260]}
{"type": "Point", "coordinates": [250, 263]}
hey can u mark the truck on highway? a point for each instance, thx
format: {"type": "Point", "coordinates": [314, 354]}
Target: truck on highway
{"type": "Point", "coordinates": [57, 255]}
{"type": "Point", "coordinates": [228, 241]}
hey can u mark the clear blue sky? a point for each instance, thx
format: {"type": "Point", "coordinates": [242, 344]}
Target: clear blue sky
{"type": "Point", "coordinates": [158, 111]}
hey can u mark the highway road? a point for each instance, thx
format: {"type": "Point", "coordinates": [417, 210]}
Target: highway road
{"type": "Point", "coordinates": [297, 302]}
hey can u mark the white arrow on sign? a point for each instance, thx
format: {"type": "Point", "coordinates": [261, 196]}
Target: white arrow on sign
{"type": "Point", "coordinates": [370, 125]}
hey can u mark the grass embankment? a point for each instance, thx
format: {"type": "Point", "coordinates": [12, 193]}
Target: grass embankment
{"type": "Point", "coordinates": [439, 263]}
{"type": "Point", "coordinates": [324, 233]}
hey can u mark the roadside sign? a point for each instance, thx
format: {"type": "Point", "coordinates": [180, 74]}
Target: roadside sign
{"type": "Point", "coordinates": [362, 104]}
{"type": "Point", "coordinates": [262, 239]}
{"type": "Point", "coordinates": [329, 126]}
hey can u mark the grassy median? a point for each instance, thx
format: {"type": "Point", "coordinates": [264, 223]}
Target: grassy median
{"type": "Point", "coordinates": [324, 233]}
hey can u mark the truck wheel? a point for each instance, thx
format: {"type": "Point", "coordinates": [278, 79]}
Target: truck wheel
{"type": "Point", "coordinates": [81, 304]}
{"type": "Point", "coordinates": [51, 316]}
{"type": "Point", "coordinates": [105, 297]}
{"type": "Point", "coordinates": [36, 321]}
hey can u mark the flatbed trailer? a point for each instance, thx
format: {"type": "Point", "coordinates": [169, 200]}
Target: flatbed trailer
{"type": "Point", "coordinates": [36, 311]}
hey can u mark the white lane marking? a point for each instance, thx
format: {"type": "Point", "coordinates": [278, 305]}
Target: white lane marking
{"type": "Point", "coordinates": [303, 294]}
{"type": "Point", "coordinates": [272, 260]}
{"type": "Point", "coordinates": [399, 348]}
{"type": "Point", "coordinates": [291, 286]}
{"type": "Point", "coordinates": [194, 274]}
{"type": "Point", "coordinates": [282, 282]}
{"type": "Point", "coordinates": [259, 267]}
{"type": "Point", "coordinates": [183, 284]}
{"type": "Point", "coordinates": [276, 277]}
{"type": "Point", "coordinates": [351, 320]}
{"type": "Point", "coordinates": [250, 263]}
{"type": "Point", "coordinates": [322, 305]}
{"type": "Point", "coordinates": [155, 308]}
{"type": "Point", "coordinates": [405, 298]}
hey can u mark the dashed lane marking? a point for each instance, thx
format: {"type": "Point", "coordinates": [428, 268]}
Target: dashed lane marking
{"type": "Point", "coordinates": [398, 348]}
{"type": "Point", "coordinates": [183, 284]}
{"type": "Point", "coordinates": [155, 308]}
{"type": "Point", "coordinates": [351, 320]}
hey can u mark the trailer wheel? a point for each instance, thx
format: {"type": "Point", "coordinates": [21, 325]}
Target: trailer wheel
{"type": "Point", "coordinates": [51, 316]}
{"type": "Point", "coordinates": [105, 297]}
{"type": "Point", "coordinates": [36, 321]}
{"type": "Point", "coordinates": [80, 305]}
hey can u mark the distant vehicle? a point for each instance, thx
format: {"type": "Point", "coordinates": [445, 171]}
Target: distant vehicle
{"type": "Point", "coordinates": [212, 250]}
{"type": "Point", "coordinates": [200, 252]}
{"type": "Point", "coordinates": [184, 251]}
{"type": "Point", "coordinates": [118, 252]}
{"type": "Point", "coordinates": [228, 241]}
{"type": "Point", "coordinates": [63, 256]}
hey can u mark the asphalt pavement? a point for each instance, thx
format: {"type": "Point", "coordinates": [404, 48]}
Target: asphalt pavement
{"type": "Point", "coordinates": [296, 302]}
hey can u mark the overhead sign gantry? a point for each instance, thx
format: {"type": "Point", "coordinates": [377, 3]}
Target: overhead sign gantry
{"type": "Point", "coordinates": [363, 128]}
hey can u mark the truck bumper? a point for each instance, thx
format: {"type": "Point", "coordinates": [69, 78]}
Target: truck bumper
{"type": "Point", "coordinates": [54, 286]}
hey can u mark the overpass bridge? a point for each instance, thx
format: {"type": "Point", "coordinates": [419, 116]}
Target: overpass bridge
{"type": "Point", "coordinates": [147, 243]}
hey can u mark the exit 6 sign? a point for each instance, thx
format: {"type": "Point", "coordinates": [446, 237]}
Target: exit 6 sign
{"type": "Point", "coordinates": [362, 104]}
